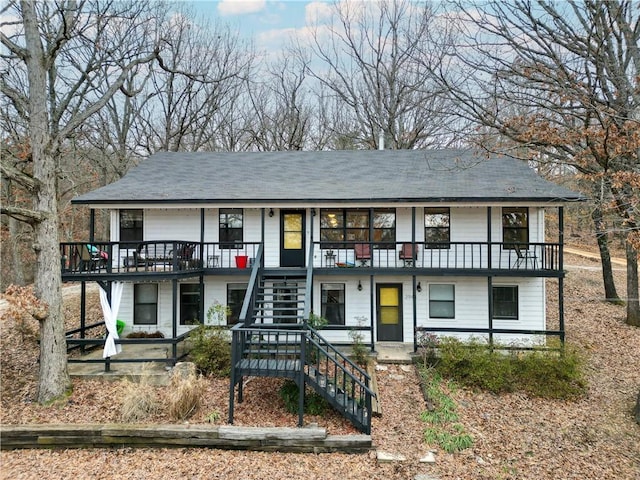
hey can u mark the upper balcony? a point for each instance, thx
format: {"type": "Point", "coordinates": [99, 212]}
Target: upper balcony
{"type": "Point", "coordinates": [466, 258]}
{"type": "Point", "coordinates": [83, 260]}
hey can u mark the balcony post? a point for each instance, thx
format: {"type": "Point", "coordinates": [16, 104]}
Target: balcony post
{"type": "Point", "coordinates": [561, 277]}
{"type": "Point", "coordinates": [92, 225]}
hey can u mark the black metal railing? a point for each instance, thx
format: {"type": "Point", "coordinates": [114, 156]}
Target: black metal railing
{"type": "Point", "coordinates": [440, 256]}
{"type": "Point", "coordinates": [297, 351]}
{"type": "Point", "coordinates": [171, 356]}
{"type": "Point", "coordinates": [96, 258]}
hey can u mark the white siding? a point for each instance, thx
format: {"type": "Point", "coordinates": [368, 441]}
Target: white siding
{"type": "Point", "coordinates": [172, 224]}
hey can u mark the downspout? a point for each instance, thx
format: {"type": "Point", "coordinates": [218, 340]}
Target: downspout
{"type": "Point", "coordinates": [414, 296]}
{"type": "Point", "coordinates": [489, 277]}
{"type": "Point", "coordinates": [174, 332]}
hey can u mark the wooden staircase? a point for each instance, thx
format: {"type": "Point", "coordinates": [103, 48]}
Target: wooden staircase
{"type": "Point", "coordinates": [278, 342]}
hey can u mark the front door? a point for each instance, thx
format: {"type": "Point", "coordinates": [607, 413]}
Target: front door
{"type": "Point", "coordinates": [389, 312]}
{"type": "Point", "coordinates": [292, 229]}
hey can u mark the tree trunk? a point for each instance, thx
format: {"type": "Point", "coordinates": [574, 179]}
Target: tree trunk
{"type": "Point", "coordinates": [605, 255]}
{"type": "Point", "coordinates": [17, 271]}
{"type": "Point", "coordinates": [633, 304]}
{"type": "Point", "coordinates": [53, 380]}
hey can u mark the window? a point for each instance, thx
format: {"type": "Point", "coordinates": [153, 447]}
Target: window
{"type": "Point", "coordinates": [442, 301]}
{"type": "Point", "coordinates": [131, 226]}
{"type": "Point", "coordinates": [145, 304]}
{"type": "Point", "coordinates": [384, 226]}
{"type": "Point", "coordinates": [355, 226]}
{"type": "Point", "coordinates": [515, 227]}
{"type": "Point", "coordinates": [235, 297]}
{"type": "Point", "coordinates": [437, 227]}
{"type": "Point", "coordinates": [332, 307]}
{"type": "Point", "coordinates": [231, 232]}
{"type": "Point", "coordinates": [505, 302]}
{"type": "Point", "coordinates": [189, 304]}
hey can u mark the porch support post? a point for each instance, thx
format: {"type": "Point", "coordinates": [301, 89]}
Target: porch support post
{"type": "Point", "coordinates": [372, 309]}
{"type": "Point", "coordinates": [107, 288]}
{"type": "Point", "coordinates": [83, 311]}
{"type": "Point", "coordinates": [174, 332]}
{"type": "Point", "coordinates": [561, 269]}
{"type": "Point", "coordinates": [202, 266]}
{"type": "Point", "coordinates": [490, 299]}
{"type": "Point", "coordinates": [92, 225]}
{"type": "Point", "coordinates": [415, 315]}
{"type": "Point", "coordinates": [301, 382]}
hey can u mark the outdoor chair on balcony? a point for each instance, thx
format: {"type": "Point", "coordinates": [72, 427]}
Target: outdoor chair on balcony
{"type": "Point", "coordinates": [92, 258]}
{"type": "Point", "coordinates": [363, 253]}
{"type": "Point", "coordinates": [408, 254]}
{"type": "Point", "coordinates": [525, 257]}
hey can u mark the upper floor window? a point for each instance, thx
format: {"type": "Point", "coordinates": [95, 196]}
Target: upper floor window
{"type": "Point", "coordinates": [333, 305]}
{"type": "Point", "coordinates": [131, 223]}
{"type": "Point", "coordinates": [437, 227]}
{"type": "Point", "coordinates": [231, 227]}
{"type": "Point", "coordinates": [515, 227]}
{"type": "Point", "coordinates": [357, 225]}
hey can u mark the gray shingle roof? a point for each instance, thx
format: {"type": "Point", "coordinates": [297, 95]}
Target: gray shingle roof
{"type": "Point", "coordinates": [333, 176]}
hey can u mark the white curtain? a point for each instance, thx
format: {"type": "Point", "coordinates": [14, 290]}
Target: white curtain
{"type": "Point", "coordinates": [110, 314]}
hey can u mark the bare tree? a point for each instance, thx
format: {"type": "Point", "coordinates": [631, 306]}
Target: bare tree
{"type": "Point", "coordinates": [571, 70]}
{"type": "Point", "coordinates": [55, 65]}
{"type": "Point", "coordinates": [366, 54]}
{"type": "Point", "coordinates": [203, 67]}
{"type": "Point", "coordinates": [281, 110]}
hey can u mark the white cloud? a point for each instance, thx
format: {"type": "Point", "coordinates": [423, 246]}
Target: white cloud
{"type": "Point", "coordinates": [240, 7]}
{"type": "Point", "coordinates": [317, 12]}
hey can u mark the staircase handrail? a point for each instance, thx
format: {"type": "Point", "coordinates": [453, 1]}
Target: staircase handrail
{"type": "Point", "coordinates": [249, 300]}
{"type": "Point", "coordinates": [364, 384]}
{"type": "Point", "coordinates": [335, 351]}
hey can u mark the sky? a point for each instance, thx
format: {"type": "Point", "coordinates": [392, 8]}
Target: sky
{"type": "Point", "coordinates": [269, 22]}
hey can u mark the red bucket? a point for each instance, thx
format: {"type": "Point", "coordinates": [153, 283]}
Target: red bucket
{"type": "Point", "coordinates": [241, 261]}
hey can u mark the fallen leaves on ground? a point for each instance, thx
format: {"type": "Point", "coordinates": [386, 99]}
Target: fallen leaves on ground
{"type": "Point", "coordinates": [515, 436]}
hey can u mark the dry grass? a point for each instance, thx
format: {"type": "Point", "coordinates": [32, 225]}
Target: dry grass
{"type": "Point", "coordinates": [184, 396]}
{"type": "Point", "coordinates": [139, 400]}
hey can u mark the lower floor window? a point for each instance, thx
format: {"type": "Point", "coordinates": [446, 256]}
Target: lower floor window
{"type": "Point", "coordinates": [505, 302]}
{"type": "Point", "coordinates": [442, 301]}
{"type": "Point", "coordinates": [189, 304]}
{"type": "Point", "coordinates": [333, 304]}
{"type": "Point", "coordinates": [145, 304]}
{"type": "Point", "coordinates": [235, 297]}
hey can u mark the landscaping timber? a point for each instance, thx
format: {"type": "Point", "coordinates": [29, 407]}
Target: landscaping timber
{"type": "Point", "coordinates": [302, 440]}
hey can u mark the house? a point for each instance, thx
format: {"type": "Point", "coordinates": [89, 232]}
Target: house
{"type": "Point", "coordinates": [388, 243]}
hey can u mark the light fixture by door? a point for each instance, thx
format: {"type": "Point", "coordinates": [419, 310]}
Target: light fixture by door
{"type": "Point", "coordinates": [359, 286]}
{"type": "Point", "coordinates": [271, 212]}
{"type": "Point", "coordinates": [419, 287]}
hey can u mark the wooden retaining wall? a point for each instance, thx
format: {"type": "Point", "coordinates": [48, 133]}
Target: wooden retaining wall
{"type": "Point", "coordinates": [304, 440]}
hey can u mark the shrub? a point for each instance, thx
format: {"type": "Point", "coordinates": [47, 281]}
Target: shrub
{"type": "Point", "coordinates": [185, 395]}
{"type": "Point", "coordinates": [314, 404]}
{"type": "Point", "coordinates": [540, 373]}
{"type": "Point", "coordinates": [359, 351]}
{"type": "Point", "coordinates": [211, 350]}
